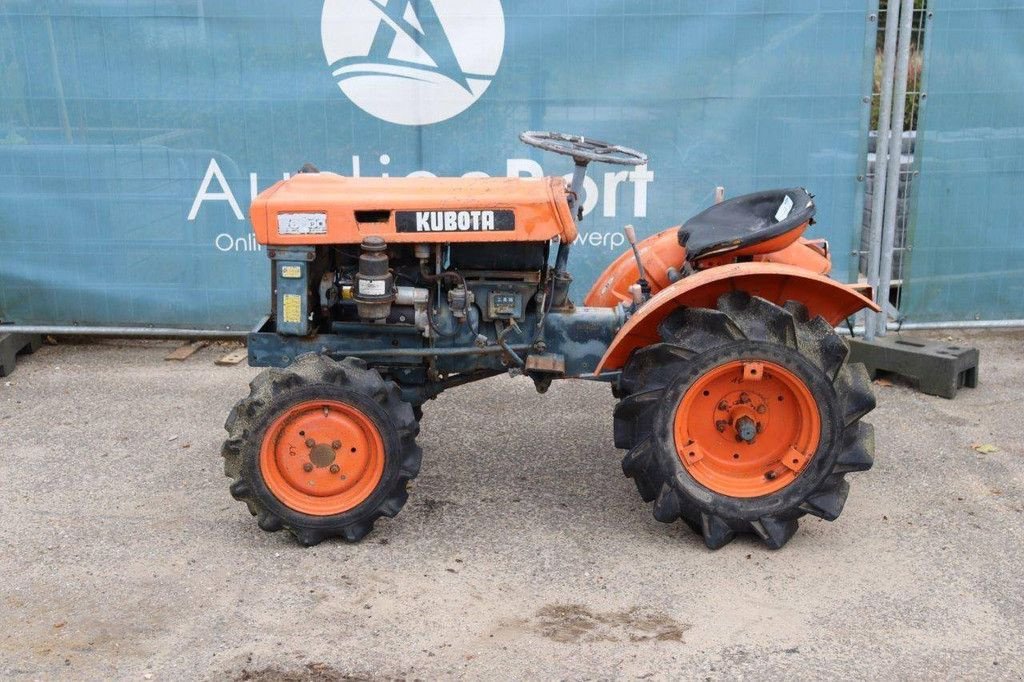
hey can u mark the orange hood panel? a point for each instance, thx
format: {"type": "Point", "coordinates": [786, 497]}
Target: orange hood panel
{"type": "Point", "coordinates": [324, 208]}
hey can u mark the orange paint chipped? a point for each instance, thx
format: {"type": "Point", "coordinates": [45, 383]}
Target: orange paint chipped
{"type": "Point", "coordinates": [744, 438]}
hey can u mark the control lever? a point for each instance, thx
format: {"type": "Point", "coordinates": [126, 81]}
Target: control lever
{"type": "Point", "coordinates": [645, 287]}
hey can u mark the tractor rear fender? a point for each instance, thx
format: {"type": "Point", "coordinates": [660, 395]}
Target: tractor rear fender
{"type": "Point", "coordinates": [776, 282]}
{"type": "Point", "coordinates": [662, 251]}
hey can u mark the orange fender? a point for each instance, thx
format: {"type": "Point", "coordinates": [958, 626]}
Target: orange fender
{"type": "Point", "coordinates": [809, 254]}
{"type": "Point", "coordinates": [659, 252]}
{"type": "Point", "coordinates": [662, 251]}
{"type": "Point", "coordinates": [776, 282]}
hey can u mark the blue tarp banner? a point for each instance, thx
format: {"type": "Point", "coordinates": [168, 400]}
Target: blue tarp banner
{"type": "Point", "coordinates": [967, 221]}
{"type": "Point", "coordinates": [133, 135]}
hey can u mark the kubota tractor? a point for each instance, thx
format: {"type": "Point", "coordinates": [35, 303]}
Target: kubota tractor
{"type": "Point", "coordinates": [737, 407]}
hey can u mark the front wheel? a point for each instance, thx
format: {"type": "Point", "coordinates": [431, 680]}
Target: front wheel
{"type": "Point", "coordinates": [322, 449]}
{"type": "Point", "coordinates": [744, 419]}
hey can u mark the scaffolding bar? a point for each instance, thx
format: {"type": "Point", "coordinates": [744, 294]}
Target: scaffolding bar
{"type": "Point", "coordinates": [892, 186]}
{"type": "Point", "coordinates": [881, 155]}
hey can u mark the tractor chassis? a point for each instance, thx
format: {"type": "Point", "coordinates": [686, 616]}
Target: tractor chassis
{"type": "Point", "coordinates": [570, 345]}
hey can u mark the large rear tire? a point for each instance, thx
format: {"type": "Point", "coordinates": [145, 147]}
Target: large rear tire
{"type": "Point", "coordinates": [322, 449]}
{"type": "Point", "coordinates": [744, 419]}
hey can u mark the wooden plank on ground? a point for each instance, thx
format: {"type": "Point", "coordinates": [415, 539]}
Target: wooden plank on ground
{"type": "Point", "coordinates": [186, 351]}
{"type": "Point", "coordinates": [233, 358]}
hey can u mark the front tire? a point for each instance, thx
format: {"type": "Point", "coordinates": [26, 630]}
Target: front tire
{"type": "Point", "coordinates": [322, 449]}
{"type": "Point", "coordinates": [744, 419]}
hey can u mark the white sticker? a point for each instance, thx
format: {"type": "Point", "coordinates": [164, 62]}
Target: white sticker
{"type": "Point", "coordinates": [302, 223]}
{"type": "Point", "coordinates": [784, 209]}
{"type": "Point", "coordinates": [372, 287]}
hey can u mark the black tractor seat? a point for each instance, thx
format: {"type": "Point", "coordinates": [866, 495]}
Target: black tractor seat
{"type": "Point", "coordinates": [747, 221]}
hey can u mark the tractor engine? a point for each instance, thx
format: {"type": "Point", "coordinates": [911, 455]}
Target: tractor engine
{"type": "Point", "coordinates": [441, 292]}
{"type": "Point", "coordinates": [433, 283]}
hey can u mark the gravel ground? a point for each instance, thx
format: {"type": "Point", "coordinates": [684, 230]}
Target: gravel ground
{"type": "Point", "coordinates": [523, 551]}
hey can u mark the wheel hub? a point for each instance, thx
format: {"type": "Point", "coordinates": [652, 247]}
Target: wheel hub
{"type": "Point", "coordinates": [322, 457]}
{"type": "Point", "coordinates": [746, 428]}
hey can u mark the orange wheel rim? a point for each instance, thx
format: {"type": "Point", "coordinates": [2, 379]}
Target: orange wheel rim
{"type": "Point", "coordinates": [747, 428]}
{"type": "Point", "coordinates": [322, 457]}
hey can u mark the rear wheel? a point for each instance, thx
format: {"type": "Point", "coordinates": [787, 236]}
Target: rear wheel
{"type": "Point", "coordinates": [744, 419]}
{"type": "Point", "coordinates": [322, 449]}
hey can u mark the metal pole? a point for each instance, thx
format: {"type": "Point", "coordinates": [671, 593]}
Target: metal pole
{"type": "Point", "coordinates": [162, 332]}
{"type": "Point", "coordinates": [579, 176]}
{"type": "Point", "coordinates": [881, 158]}
{"type": "Point", "coordinates": [429, 352]}
{"type": "Point", "coordinates": [892, 187]}
{"type": "Point", "coordinates": [961, 324]}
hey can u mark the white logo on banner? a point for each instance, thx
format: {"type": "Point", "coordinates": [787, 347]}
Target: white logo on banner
{"type": "Point", "coordinates": [413, 62]}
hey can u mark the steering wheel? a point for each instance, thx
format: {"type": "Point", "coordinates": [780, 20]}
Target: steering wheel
{"type": "Point", "coordinates": [584, 150]}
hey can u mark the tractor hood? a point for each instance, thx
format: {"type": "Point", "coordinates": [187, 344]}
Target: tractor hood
{"type": "Point", "coordinates": [324, 208]}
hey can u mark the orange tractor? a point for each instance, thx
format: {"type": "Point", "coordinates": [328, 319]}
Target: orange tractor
{"type": "Point", "coordinates": [737, 407]}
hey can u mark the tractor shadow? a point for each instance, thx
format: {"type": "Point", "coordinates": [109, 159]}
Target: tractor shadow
{"type": "Point", "coordinates": [499, 458]}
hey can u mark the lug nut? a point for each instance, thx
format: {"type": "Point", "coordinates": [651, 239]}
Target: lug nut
{"type": "Point", "coordinates": [336, 444]}
{"type": "Point", "coordinates": [310, 442]}
{"type": "Point", "coordinates": [723, 406]}
{"type": "Point", "coordinates": [307, 467]}
{"type": "Point", "coordinates": [720, 425]}
{"type": "Point", "coordinates": [335, 468]}
{"type": "Point", "coordinates": [761, 409]}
